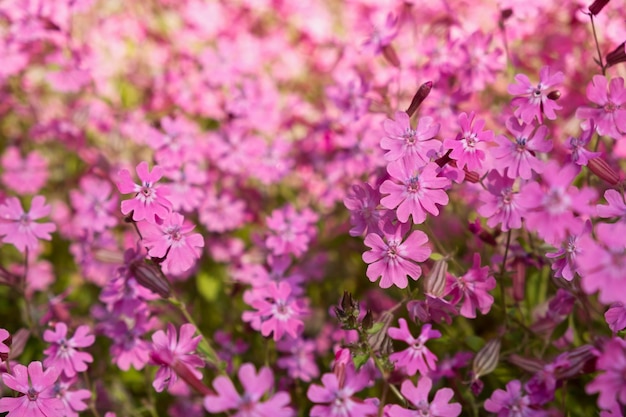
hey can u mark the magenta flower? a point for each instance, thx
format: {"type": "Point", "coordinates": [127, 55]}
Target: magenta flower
{"type": "Point", "coordinates": [150, 199]}
{"type": "Point", "coordinates": [166, 350]}
{"type": "Point", "coordinates": [19, 228]}
{"type": "Point", "coordinates": [417, 357]}
{"type": "Point", "coordinates": [610, 115]}
{"type": "Point", "coordinates": [615, 317]}
{"type": "Point", "coordinates": [468, 149]}
{"type": "Point", "coordinates": [362, 201]}
{"type": "Point", "coordinates": [249, 404]}
{"type": "Point", "coordinates": [37, 385]}
{"type": "Point", "coordinates": [511, 403]}
{"type": "Point", "coordinates": [580, 154]}
{"type": "Point", "coordinates": [418, 396]}
{"type": "Point", "coordinates": [336, 397]}
{"type": "Point", "coordinates": [291, 231]}
{"type": "Point", "coordinates": [172, 239]}
{"type": "Point", "coordinates": [277, 311]}
{"type": "Point", "coordinates": [94, 204]}
{"type": "Point", "coordinates": [615, 206]}
{"type": "Point", "coordinates": [473, 288]}
{"type": "Point", "coordinates": [534, 101]}
{"type": "Point", "coordinates": [24, 175]}
{"type": "Point", "coordinates": [611, 383]}
{"type": "Point", "coordinates": [403, 142]}
{"type": "Point", "coordinates": [565, 265]}
{"type": "Point", "coordinates": [4, 347]}
{"type": "Point", "coordinates": [419, 190]}
{"type": "Point", "coordinates": [392, 259]}
{"type": "Point", "coordinates": [63, 353]}
{"type": "Point", "coordinates": [501, 204]}
{"type": "Point", "coordinates": [73, 401]}
{"type": "Point", "coordinates": [299, 358]}
{"type": "Point", "coordinates": [518, 158]}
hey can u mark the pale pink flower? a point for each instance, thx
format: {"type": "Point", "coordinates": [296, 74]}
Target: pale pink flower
{"type": "Point", "coordinates": [37, 385]}
{"type": "Point", "coordinates": [18, 227]}
{"type": "Point", "coordinates": [473, 288]}
{"type": "Point", "coordinates": [63, 353]}
{"type": "Point", "coordinates": [417, 357]}
{"type": "Point", "coordinates": [418, 396]}
{"type": "Point", "coordinates": [150, 200]}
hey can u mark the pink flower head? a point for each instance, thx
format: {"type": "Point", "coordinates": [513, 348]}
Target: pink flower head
{"type": "Point", "coordinates": [172, 240]}
{"type": "Point", "coordinates": [362, 201]}
{"type": "Point", "coordinates": [4, 347]}
{"type": "Point", "coordinates": [473, 288]}
{"type": "Point", "coordinates": [565, 265]}
{"type": "Point", "coordinates": [250, 403]}
{"type": "Point", "coordinates": [63, 353]}
{"type": "Point", "coordinates": [277, 312]}
{"type": "Point", "coordinates": [167, 349]}
{"type": "Point", "coordinates": [580, 155]}
{"type": "Point", "coordinates": [94, 204]}
{"type": "Point", "coordinates": [382, 34]}
{"type": "Point", "coordinates": [73, 400]}
{"type": "Point", "coordinates": [417, 191]}
{"type": "Point", "coordinates": [468, 149]}
{"type": "Point", "coordinates": [611, 383]}
{"type": "Point", "coordinates": [502, 205]}
{"type": "Point", "coordinates": [18, 227]}
{"type": "Point", "coordinates": [610, 115]}
{"type": "Point", "coordinates": [299, 358]}
{"type": "Point", "coordinates": [418, 146]}
{"type": "Point", "coordinates": [518, 158]}
{"type": "Point", "coordinates": [24, 175]}
{"type": "Point", "coordinates": [417, 357]}
{"type": "Point", "coordinates": [418, 396]}
{"type": "Point", "coordinates": [534, 100]}
{"type": "Point", "coordinates": [150, 200]}
{"type": "Point", "coordinates": [291, 231]}
{"type": "Point", "coordinates": [511, 403]}
{"type": "Point", "coordinates": [37, 385]}
{"type": "Point", "coordinates": [393, 259]}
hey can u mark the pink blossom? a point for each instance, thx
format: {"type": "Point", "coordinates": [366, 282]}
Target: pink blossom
{"type": "Point", "coordinates": [393, 259]}
{"type": "Point", "coordinates": [73, 400]}
{"type": "Point", "coordinates": [18, 227]}
{"type": "Point", "coordinates": [172, 240]}
{"type": "Point", "coordinates": [94, 204]}
{"type": "Point", "coordinates": [580, 155]}
{"type": "Point", "coordinates": [511, 403]}
{"type": "Point", "coordinates": [615, 206]}
{"type": "Point", "coordinates": [362, 201]}
{"type": "Point", "coordinates": [419, 190]}
{"type": "Point", "coordinates": [221, 211]}
{"type": "Point", "coordinates": [167, 349]}
{"type": "Point", "coordinates": [502, 205]}
{"type": "Point", "coordinates": [518, 158]}
{"type": "Point", "coordinates": [610, 115]}
{"type": "Point", "coordinates": [611, 382]}
{"type": "Point", "coordinates": [403, 142]}
{"type": "Point", "coordinates": [63, 353]}
{"type": "Point", "coordinates": [468, 148]}
{"type": "Point", "coordinates": [417, 357]}
{"type": "Point", "coordinates": [299, 358]}
{"type": "Point", "coordinates": [418, 396]}
{"type": "Point", "coordinates": [535, 101]}
{"type": "Point", "coordinates": [565, 265]}
{"type": "Point", "coordinates": [480, 62]}
{"type": "Point", "coordinates": [37, 385]}
{"type": "Point", "coordinates": [250, 403]}
{"type": "Point", "coordinates": [150, 200]}
{"type": "Point", "coordinates": [290, 230]}
{"type": "Point", "coordinates": [24, 175]}
{"type": "Point", "coordinates": [615, 317]}
{"type": "Point", "coordinates": [473, 288]}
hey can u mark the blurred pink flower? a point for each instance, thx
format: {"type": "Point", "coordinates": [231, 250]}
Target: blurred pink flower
{"type": "Point", "coordinates": [610, 115]}
{"type": "Point", "coordinates": [24, 175]}
{"type": "Point", "coordinates": [610, 383]}
{"type": "Point", "coordinates": [37, 385]}
{"type": "Point", "coordinates": [18, 227]}
{"type": "Point", "coordinates": [63, 353]}
{"type": "Point", "coordinates": [473, 288]}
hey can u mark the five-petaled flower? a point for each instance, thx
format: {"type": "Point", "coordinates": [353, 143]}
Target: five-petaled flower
{"type": "Point", "coordinates": [150, 200]}
{"type": "Point", "coordinates": [19, 227]}
{"type": "Point", "coordinates": [37, 385]}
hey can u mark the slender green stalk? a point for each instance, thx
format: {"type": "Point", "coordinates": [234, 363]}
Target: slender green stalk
{"type": "Point", "coordinates": [502, 274]}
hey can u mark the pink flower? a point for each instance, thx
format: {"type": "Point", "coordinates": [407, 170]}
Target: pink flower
{"type": "Point", "coordinates": [580, 155]}
{"type": "Point", "coordinates": [18, 227]}
{"type": "Point", "coordinates": [249, 404]}
{"type": "Point", "coordinates": [63, 354]}
{"type": "Point", "coordinates": [468, 149]}
{"type": "Point", "coordinates": [473, 288]}
{"type": "Point", "coordinates": [94, 204]}
{"type": "Point", "coordinates": [611, 383]}
{"type": "Point", "coordinates": [402, 142]}
{"type": "Point", "coordinates": [24, 175]}
{"type": "Point", "coordinates": [392, 259]}
{"type": "Point", "coordinates": [172, 240]}
{"type": "Point", "coordinates": [419, 190]}
{"type": "Point", "coordinates": [291, 231]}
{"type": "Point", "coordinates": [417, 357]}
{"type": "Point", "coordinates": [535, 99]}
{"type": "Point", "coordinates": [362, 201]}
{"type": "Point", "coordinates": [565, 265]}
{"type": "Point", "coordinates": [39, 399]}
{"type": "Point", "coordinates": [166, 350]}
{"type": "Point", "coordinates": [73, 401]}
{"type": "Point", "coordinates": [615, 207]}
{"type": "Point", "coordinates": [610, 116]}
{"type": "Point", "coordinates": [615, 317]}
{"type": "Point", "coordinates": [501, 204]}
{"type": "Point", "coordinates": [149, 201]}
{"type": "Point", "coordinates": [299, 360]}
{"type": "Point", "coordinates": [518, 158]}
{"type": "Point", "coordinates": [511, 403]}
{"type": "Point", "coordinates": [418, 396]}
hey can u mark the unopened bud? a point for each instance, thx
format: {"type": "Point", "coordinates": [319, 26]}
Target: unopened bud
{"type": "Point", "coordinates": [603, 170]}
{"type": "Point", "coordinates": [8, 341]}
{"type": "Point", "coordinates": [577, 360]}
{"type": "Point", "coordinates": [379, 341]}
{"type": "Point", "coordinates": [554, 95]}
{"type": "Point", "coordinates": [486, 360]}
{"type": "Point", "coordinates": [519, 280]}
{"type": "Point", "coordinates": [527, 364]}
{"type": "Point", "coordinates": [419, 97]}
{"type": "Point", "coordinates": [368, 321]}
{"type": "Point", "coordinates": [391, 56]}
{"type": "Point", "coordinates": [471, 176]}
{"type": "Point", "coordinates": [150, 276]}
{"type": "Point", "coordinates": [616, 56]}
{"type": "Point", "coordinates": [186, 375]}
{"type": "Point", "coordinates": [597, 6]}
{"type": "Point", "coordinates": [436, 280]}
{"type": "Point", "coordinates": [505, 14]}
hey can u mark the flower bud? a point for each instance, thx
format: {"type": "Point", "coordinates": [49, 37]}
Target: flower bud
{"type": "Point", "coordinates": [577, 360]}
{"type": "Point", "coordinates": [554, 95]}
{"type": "Point", "coordinates": [378, 341]}
{"type": "Point", "coordinates": [603, 170]}
{"type": "Point", "coordinates": [150, 276]}
{"type": "Point", "coordinates": [597, 6]}
{"type": "Point", "coordinates": [471, 176]}
{"type": "Point", "coordinates": [486, 360]}
{"type": "Point", "coordinates": [391, 56]}
{"type": "Point", "coordinates": [527, 364]}
{"type": "Point", "coordinates": [419, 97]}
{"type": "Point", "coordinates": [616, 56]}
{"type": "Point", "coordinates": [436, 280]}
{"type": "Point", "coordinates": [186, 375]}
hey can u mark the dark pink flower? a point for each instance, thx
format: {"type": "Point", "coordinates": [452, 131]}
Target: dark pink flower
{"type": "Point", "coordinates": [418, 396]}
{"type": "Point", "coordinates": [511, 403]}
{"type": "Point", "coordinates": [150, 200]}
{"type": "Point", "coordinates": [4, 347]}
{"type": "Point", "coordinates": [610, 115]}
{"type": "Point", "coordinates": [534, 101]}
{"type": "Point", "coordinates": [417, 357]}
{"type": "Point", "coordinates": [393, 259]}
{"type": "Point", "coordinates": [18, 227]}
{"type": "Point", "coordinates": [502, 204]}
{"type": "Point", "coordinates": [565, 265]}
{"type": "Point", "coordinates": [291, 231]}
{"type": "Point", "coordinates": [468, 148]}
{"type": "Point", "coordinates": [580, 155]}
{"type": "Point", "coordinates": [250, 403]}
{"type": "Point", "coordinates": [473, 288]}
{"type": "Point", "coordinates": [402, 142]}
{"type": "Point", "coordinates": [611, 382]}
{"type": "Point", "coordinates": [63, 353]}
{"type": "Point", "coordinates": [37, 385]}
{"type": "Point", "coordinates": [615, 317]}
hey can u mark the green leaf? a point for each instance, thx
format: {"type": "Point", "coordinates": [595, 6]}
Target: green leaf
{"type": "Point", "coordinates": [474, 342]}
{"type": "Point", "coordinates": [375, 328]}
{"type": "Point", "coordinates": [359, 360]}
{"type": "Point", "coordinates": [435, 256]}
{"type": "Point", "coordinates": [208, 286]}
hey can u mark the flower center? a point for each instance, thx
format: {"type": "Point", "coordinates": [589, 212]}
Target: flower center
{"type": "Point", "coordinates": [413, 185]}
{"type": "Point", "coordinates": [521, 144]}
{"type": "Point", "coordinates": [610, 107]}
{"type": "Point", "coordinates": [471, 140]}
{"type": "Point", "coordinates": [24, 219]}
{"type": "Point", "coordinates": [32, 394]}
{"type": "Point", "coordinates": [409, 136]}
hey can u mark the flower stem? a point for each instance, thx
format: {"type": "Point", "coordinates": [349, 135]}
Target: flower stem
{"type": "Point", "coordinates": [595, 38]}
{"type": "Point", "coordinates": [502, 273]}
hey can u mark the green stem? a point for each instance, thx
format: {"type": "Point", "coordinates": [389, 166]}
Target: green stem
{"type": "Point", "coordinates": [502, 274]}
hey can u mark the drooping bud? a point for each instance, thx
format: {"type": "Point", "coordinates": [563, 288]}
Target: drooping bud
{"type": "Point", "coordinates": [368, 321]}
{"type": "Point", "coordinates": [436, 280]}
{"type": "Point", "coordinates": [391, 56]}
{"type": "Point", "coordinates": [617, 55]}
{"type": "Point", "coordinates": [487, 358]}
{"type": "Point", "coordinates": [150, 276]}
{"type": "Point", "coordinates": [419, 97]}
{"type": "Point", "coordinates": [519, 279]}
{"type": "Point", "coordinates": [377, 337]}
{"type": "Point", "coordinates": [554, 95]}
{"type": "Point", "coordinates": [7, 341]}
{"type": "Point", "coordinates": [527, 364]}
{"type": "Point", "coordinates": [18, 343]}
{"type": "Point", "coordinates": [186, 375]}
{"type": "Point", "coordinates": [603, 170]}
{"type": "Point", "coordinates": [578, 359]}
{"type": "Point", "coordinates": [471, 176]}
{"type": "Point", "coordinates": [597, 6]}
